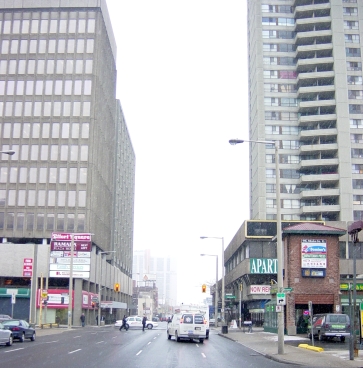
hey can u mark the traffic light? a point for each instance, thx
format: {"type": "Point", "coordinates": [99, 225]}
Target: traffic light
{"type": "Point", "coordinates": [204, 288]}
{"type": "Point", "coordinates": [93, 305]}
{"type": "Point", "coordinates": [116, 287]}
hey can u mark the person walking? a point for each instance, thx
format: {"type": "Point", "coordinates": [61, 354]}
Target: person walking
{"type": "Point", "coordinates": [124, 324]}
{"type": "Point", "coordinates": [143, 323]}
{"type": "Point", "coordinates": [83, 319]}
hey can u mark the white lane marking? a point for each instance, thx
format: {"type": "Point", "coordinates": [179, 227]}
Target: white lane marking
{"type": "Point", "coordinates": [10, 351]}
{"type": "Point", "coordinates": [100, 342]}
{"type": "Point", "coordinates": [155, 337]}
{"type": "Point", "coordinates": [74, 351]}
{"type": "Point", "coordinates": [75, 337]}
{"type": "Point", "coordinates": [139, 353]}
{"type": "Point", "coordinates": [51, 342]}
{"type": "Point", "coordinates": [197, 345]}
{"type": "Point", "coordinates": [203, 355]}
{"type": "Point", "coordinates": [149, 343]}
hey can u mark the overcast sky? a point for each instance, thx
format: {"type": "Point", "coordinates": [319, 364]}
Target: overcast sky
{"type": "Point", "coordinates": [182, 82]}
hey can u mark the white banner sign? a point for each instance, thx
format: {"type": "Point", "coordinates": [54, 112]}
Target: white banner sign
{"type": "Point", "coordinates": [67, 267]}
{"type": "Point", "coordinates": [260, 289]}
{"type": "Point", "coordinates": [78, 274]}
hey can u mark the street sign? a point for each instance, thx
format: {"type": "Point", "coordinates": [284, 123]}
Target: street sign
{"type": "Point", "coordinates": [280, 299]}
{"type": "Point", "coordinates": [230, 296]}
{"type": "Point", "coordinates": [288, 290]}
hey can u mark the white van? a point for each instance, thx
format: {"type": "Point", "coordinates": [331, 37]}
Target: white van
{"type": "Point", "coordinates": [187, 326]}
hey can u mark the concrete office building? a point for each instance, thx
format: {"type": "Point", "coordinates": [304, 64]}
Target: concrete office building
{"type": "Point", "coordinates": [305, 90]}
{"type": "Point", "coordinates": [74, 166]}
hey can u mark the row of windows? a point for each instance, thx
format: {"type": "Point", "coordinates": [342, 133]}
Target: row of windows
{"type": "Point", "coordinates": [350, 24]}
{"type": "Point", "coordinates": [279, 74]}
{"type": "Point", "coordinates": [287, 102]}
{"type": "Point", "coordinates": [355, 152]}
{"type": "Point", "coordinates": [45, 152]}
{"type": "Point", "coordinates": [279, 60]}
{"type": "Point", "coordinates": [356, 123]}
{"type": "Point", "coordinates": [45, 26]}
{"type": "Point", "coordinates": [281, 115]}
{"type": "Point", "coordinates": [355, 94]}
{"type": "Point", "coordinates": [37, 109]}
{"type": "Point", "coordinates": [277, 9]}
{"type": "Point", "coordinates": [352, 51]}
{"type": "Point", "coordinates": [356, 138]}
{"type": "Point", "coordinates": [42, 198]}
{"type": "Point", "coordinates": [277, 21]}
{"type": "Point", "coordinates": [283, 130]}
{"type": "Point", "coordinates": [354, 79]}
{"type": "Point", "coordinates": [60, 46]}
{"type": "Point", "coordinates": [49, 222]}
{"type": "Point", "coordinates": [44, 130]}
{"type": "Point", "coordinates": [283, 88]}
{"type": "Point", "coordinates": [354, 65]}
{"type": "Point", "coordinates": [43, 175]}
{"type": "Point", "coordinates": [279, 47]}
{"type": "Point", "coordinates": [350, 10]}
{"type": "Point", "coordinates": [47, 88]}
{"type": "Point", "coordinates": [352, 38]}
{"type": "Point", "coordinates": [284, 159]}
{"type": "Point", "coordinates": [42, 66]}
{"type": "Point", "coordinates": [356, 109]}
{"type": "Point", "coordinates": [284, 35]}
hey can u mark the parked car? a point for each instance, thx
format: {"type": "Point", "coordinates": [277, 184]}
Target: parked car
{"type": "Point", "coordinates": [20, 329]}
{"type": "Point", "coordinates": [4, 317]}
{"type": "Point", "coordinates": [212, 322]}
{"type": "Point", "coordinates": [329, 326]}
{"type": "Point", "coordinates": [135, 322]}
{"type": "Point", "coordinates": [155, 319]}
{"type": "Point", "coordinates": [6, 336]}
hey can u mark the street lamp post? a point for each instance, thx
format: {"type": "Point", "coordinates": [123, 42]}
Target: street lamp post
{"type": "Point", "coordinates": [8, 152]}
{"type": "Point", "coordinates": [216, 289]}
{"type": "Point", "coordinates": [222, 293]}
{"type": "Point", "coordinates": [280, 260]}
{"type": "Point", "coordinates": [99, 287]}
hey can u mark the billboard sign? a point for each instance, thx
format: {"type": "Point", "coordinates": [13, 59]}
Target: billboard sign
{"type": "Point", "coordinates": [313, 253]}
{"type": "Point", "coordinates": [63, 241]}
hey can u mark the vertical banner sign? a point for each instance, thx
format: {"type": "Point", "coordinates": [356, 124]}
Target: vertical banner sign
{"type": "Point", "coordinates": [313, 253]}
{"type": "Point", "coordinates": [28, 267]}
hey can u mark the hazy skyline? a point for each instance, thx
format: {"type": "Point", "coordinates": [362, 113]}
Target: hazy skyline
{"type": "Point", "coordinates": [182, 82]}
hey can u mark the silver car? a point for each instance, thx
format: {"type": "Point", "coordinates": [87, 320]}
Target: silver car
{"type": "Point", "coordinates": [6, 336]}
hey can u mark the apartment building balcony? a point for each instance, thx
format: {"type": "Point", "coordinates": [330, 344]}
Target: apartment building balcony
{"type": "Point", "coordinates": [316, 104]}
{"type": "Point", "coordinates": [304, 179]}
{"type": "Point", "coordinates": [315, 75]}
{"type": "Point", "coordinates": [319, 162]}
{"type": "Point", "coordinates": [313, 37]}
{"type": "Point", "coordinates": [316, 63]}
{"type": "Point", "coordinates": [318, 147]}
{"type": "Point", "coordinates": [304, 24]}
{"type": "Point", "coordinates": [322, 192]}
{"type": "Point", "coordinates": [303, 7]}
{"type": "Point", "coordinates": [307, 119]}
{"type": "Point", "coordinates": [301, 50]}
{"type": "Point", "coordinates": [321, 208]}
{"type": "Point", "coordinates": [314, 90]}
{"type": "Point", "coordinates": [318, 132]}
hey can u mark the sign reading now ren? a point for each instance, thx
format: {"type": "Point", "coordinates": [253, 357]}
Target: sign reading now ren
{"type": "Point", "coordinates": [263, 265]}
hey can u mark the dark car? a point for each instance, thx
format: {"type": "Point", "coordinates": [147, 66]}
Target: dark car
{"type": "Point", "coordinates": [21, 329]}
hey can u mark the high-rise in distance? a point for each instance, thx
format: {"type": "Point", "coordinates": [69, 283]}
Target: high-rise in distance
{"type": "Point", "coordinates": [305, 91]}
{"type": "Point", "coordinates": [73, 170]}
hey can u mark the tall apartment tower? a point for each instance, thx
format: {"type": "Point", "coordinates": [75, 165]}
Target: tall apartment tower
{"type": "Point", "coordinates": [74, 166]}
{"type": "Point", "coordinates": [305, 90]}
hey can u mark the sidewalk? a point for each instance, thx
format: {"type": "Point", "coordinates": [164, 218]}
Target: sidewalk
{"type": "Point", "coordinates": [265, 343]}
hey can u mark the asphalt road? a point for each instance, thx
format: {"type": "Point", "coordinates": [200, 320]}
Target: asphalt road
{"type": "Point", "coordinates": [107, 347]}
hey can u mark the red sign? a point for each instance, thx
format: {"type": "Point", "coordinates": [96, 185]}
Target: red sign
{"type": "Point", "coordinates": [63, 241]}
{"type": "Point", "coordinates": [28, 267]}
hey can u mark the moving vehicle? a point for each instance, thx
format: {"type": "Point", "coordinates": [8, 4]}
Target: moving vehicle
{"type": "Point", "coordinates": [135, 322]}
{"type": "Point", "coordinates": [20, 329]}
{"type": "Point", "coordinates": [329, 326]}
{"type": "Point", "coordinates": [6, 336]}
{"type": "Point", "coordinates": [187, 326]}
{"type": "Point", "coordinates": [193, 308]}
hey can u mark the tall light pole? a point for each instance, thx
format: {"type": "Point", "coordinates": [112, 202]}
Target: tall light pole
{"type": "Point", "coordinates": [280, 260]}
{"type": "Point", "coordinates": [99, 287]}
{"type": "Point", "coordinates": [216, 289]}
{"type": "Point", "coordinates": [222, 293]}
{"type": "Point", "coordinates": [70, 292]}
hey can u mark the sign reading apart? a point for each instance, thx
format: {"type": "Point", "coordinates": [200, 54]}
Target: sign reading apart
{"type": "Point", "coordinates": [313, 253]}
{"type": "Point", "coordinates": [263, 265]}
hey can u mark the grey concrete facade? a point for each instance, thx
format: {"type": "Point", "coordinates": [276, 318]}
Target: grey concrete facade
{"type": "Point", "coordinates": [74, 165]}
{"type": "Point", "coordinates": [305, 90]}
